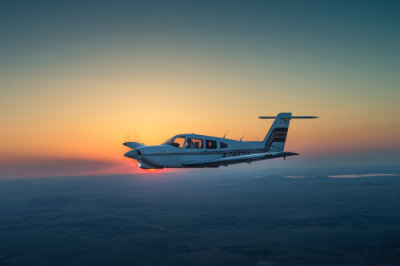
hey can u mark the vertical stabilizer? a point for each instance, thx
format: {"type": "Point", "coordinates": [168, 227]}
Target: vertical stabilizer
{"type": "Point", "coordinates": [275, 140]}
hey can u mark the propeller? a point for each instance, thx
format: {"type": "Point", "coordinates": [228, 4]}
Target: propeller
{"type": "Point", "coordinates": [133, 145]}
{"type": "Point", "coordinates": [135, 153]}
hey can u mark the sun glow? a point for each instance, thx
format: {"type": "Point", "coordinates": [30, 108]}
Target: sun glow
{"type": "Point", "coordinates": [137, 169]}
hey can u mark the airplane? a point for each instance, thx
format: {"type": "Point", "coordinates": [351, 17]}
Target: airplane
{"type": "Point", "coordinates": [198, 151]}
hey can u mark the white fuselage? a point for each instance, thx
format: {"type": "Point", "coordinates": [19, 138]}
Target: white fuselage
{"type": "Point", "coordinates": [170, 156]}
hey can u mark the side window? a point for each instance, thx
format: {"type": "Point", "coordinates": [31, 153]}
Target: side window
{"type": "Point", "coordinates": [211, 144]}
{"type": "Point", "coordinates": [223, 145]}
{"type": "Point", "coordinates": [192, 143]}
{"type": "Point", "coordinates": [178, 142]}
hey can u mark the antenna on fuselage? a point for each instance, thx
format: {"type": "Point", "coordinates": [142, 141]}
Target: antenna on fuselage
{"type": "Point", "coordinates": [242, 137]}
{"type": "Point", "coordinates": [225, 134]}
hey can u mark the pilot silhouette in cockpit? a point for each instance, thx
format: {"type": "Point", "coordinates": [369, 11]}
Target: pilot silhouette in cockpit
{"type": "Point", "coordinates": [189, 144]}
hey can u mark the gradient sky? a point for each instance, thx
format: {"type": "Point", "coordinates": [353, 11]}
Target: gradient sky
{"type": "Point", "coordinates": [78, 78]}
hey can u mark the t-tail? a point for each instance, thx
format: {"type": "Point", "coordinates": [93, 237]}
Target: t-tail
{"type": "Point", "coordinates": [275, 140]}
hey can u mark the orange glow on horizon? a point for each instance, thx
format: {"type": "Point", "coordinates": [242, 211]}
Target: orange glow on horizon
{"type": "Point", "coordinates": [88, 114]}
{"type": "Point", "coordinates": [136, 169]}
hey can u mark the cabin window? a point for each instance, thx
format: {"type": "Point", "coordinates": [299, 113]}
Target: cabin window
{"type": "Point", "coordinates": [211, 144]}
{"type": "Point", "coordinates": [223, 145]}
{"type": "Point", "coordinates": [192, 143]}
{"type": "Point", "coordinates": [178, 142]}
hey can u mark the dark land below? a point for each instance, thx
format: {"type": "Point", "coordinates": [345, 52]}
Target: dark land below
{"type": "Point", "coordinates": [201, 217]}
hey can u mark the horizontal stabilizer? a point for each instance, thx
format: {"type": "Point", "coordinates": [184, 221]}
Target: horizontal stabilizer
{"type": "Point", "coordinates": [291, 117]}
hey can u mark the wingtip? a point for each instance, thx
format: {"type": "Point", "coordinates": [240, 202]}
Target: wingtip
{"type": "Point", "coordinates": [288, 153]}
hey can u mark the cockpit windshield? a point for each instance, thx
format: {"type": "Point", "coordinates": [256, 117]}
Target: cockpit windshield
{"type": "Point", "coordinates": [177, 141]}
{"type": "Point", "coordinates": [168, 141]}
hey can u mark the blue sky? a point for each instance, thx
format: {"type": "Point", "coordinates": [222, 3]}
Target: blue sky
{"type": "Point", "coordinates": [76, 76]}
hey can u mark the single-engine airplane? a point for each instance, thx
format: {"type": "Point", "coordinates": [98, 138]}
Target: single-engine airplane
{"type": "Point", "coordinates": [197, 151]}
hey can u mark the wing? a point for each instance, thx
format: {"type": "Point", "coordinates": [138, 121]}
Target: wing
{"type": "Point", "coordinates": [239, 159]}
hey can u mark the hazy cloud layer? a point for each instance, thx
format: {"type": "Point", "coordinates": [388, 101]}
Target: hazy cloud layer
{"type": "Point", "coordinates": [32, 167]}
{"type": "Point", "coordinates": [360, 176]}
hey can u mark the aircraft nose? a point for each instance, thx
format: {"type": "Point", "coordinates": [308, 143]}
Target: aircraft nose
{"type": "Point", "coordinates": [131, 154]}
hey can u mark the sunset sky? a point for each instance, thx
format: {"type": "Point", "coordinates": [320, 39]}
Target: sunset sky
{"type": "Point", "coordinates": [78, 78]}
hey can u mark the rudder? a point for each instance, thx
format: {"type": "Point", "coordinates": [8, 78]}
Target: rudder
{"type": "Point", "coordinates": [275, 139]}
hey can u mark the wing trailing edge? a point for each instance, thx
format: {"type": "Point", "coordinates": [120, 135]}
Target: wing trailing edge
{"type": "Point", "coordinates": [239, 159]}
